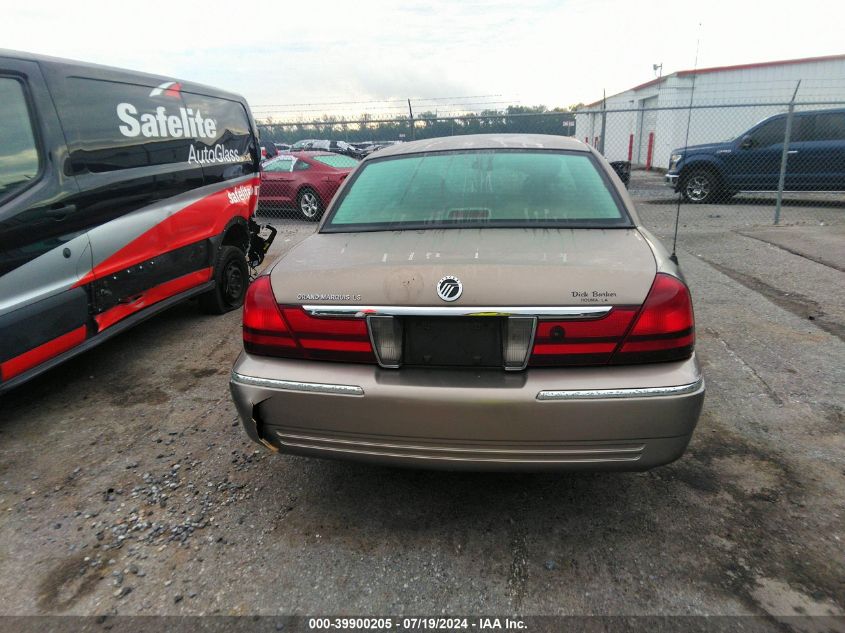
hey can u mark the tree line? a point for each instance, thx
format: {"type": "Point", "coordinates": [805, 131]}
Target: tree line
{"type": "Point", "coordinates": [513, 119]}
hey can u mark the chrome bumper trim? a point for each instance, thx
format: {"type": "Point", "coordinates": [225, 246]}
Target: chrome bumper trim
{"type": "Point", "coordinates": [467, 458]}
{"type": "Point", "coordinates": [601, 394]}
{"type": "Point", "coordinates": [314, 442]}
{"type": "Point", "coordinates": [568, 312]}
{"type": "Point", "coordinates": [292, 385]}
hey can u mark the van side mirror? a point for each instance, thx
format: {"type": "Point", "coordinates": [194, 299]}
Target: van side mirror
{"type": "Point", "coordinates": [746, 142]}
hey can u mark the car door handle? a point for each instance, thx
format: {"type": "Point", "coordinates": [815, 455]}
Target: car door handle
{"type": "Point", "coordinates": [61, 212]}
{"type": "Point", "coordinates": [792, 151]}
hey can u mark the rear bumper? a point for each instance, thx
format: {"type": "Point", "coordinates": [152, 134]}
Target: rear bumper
{"type": "Point", "coordinates": [608, 418]}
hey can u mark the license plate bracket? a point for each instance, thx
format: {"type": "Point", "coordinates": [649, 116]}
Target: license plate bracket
{"type": "Point", "coordinates": [453, 341]}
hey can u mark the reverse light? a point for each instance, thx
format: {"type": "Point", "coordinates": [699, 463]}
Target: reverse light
{"type": "Point", "coordinates": [516, 343]}
{"type": "Point", "coordinates": [387, 339]}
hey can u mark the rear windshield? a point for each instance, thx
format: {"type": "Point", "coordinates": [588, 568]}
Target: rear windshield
{"type": "Point", "coordinates": [336, 160]}
{"type": "Point", "coordinates": [481, 187]}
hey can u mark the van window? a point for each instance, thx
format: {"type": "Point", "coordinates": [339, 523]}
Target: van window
{"type": "Point", "coordinates": [18, 152]}
{"type": "Point", "coordinates": [113, 126]}
{"type": "Point", "coordinates": [226, 152]}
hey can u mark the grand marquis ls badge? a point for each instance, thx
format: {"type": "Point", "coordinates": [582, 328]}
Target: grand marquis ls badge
{"type": "Point", "coordinates": [449, 288]}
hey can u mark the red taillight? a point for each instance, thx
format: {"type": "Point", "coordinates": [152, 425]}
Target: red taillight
{"type": "Point", "coordinates": [330, 338]}
{"type": "Point", "coordinates": [665, 327]}
{"type": "Point", "coordinates": [580, 342]}
{"type": "Point", "coordinates": [661, 330]}
{"type": "Point", "coordinates": [290, 332]}
{"type": "Point", "coordinates": [265, 331]}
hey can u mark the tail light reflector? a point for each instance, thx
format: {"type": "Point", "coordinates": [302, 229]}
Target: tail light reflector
{"type": "Point", "coordinates": [589, 342]}
{"type": "Point", "coordinates": [330, 338]}
{"type": "Point", "coordinates": [662, 329]}
{"type": "Point", "coordinates": [290, 332]}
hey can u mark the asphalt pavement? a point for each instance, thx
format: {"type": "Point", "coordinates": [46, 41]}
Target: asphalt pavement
{"type": "Point", "coordinates": [127, 485]}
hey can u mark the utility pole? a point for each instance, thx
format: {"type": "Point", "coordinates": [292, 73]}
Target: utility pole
{"type": "Point", "coordinates": [411, 113]}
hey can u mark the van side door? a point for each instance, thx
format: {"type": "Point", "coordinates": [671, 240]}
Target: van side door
{"type": "Point", "coordinates": [44, 245]}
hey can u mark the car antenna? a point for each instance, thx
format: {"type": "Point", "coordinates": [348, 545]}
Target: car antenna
{"type": "Point", "coordinates": [674, 255]}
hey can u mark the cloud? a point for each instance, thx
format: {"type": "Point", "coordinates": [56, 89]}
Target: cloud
{"type": "Point", "coordinates": [533, 51]}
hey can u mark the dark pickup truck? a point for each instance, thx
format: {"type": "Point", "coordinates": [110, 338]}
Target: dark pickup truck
{"type": "Point", "coordinates": [714, 172]}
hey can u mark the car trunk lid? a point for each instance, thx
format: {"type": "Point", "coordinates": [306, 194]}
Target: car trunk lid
{"type": "Point", "coordinates": [495, 267]}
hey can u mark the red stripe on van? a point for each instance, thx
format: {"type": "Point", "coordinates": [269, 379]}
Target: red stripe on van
{"type": "Point", "coordinates": [45, 351]}
{"type": "Point", "coordinates": [200, 220]}
{"type": "Point", "coordinates": [152, 296]}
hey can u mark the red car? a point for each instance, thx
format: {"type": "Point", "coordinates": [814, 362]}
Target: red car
{"type": "Point", "coordinates": [303, 180]}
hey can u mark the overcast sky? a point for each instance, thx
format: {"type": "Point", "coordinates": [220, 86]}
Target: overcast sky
{"type": "Point", "coordinates": [527, 51]}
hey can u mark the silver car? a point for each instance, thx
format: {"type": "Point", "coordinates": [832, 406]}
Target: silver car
{"type": "Point", "coordinates": [478, 302]}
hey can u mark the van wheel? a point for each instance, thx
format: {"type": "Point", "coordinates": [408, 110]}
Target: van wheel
{"type": "Point", "coordinates": [231, 277]}
{"type": "Point", "coordinates": [310, 205]}
{"type": "Point", "coordinates": [700, 186]}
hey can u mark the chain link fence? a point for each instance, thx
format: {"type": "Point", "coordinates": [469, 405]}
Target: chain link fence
{"type": "Point", "coordinates": [717, 166]}
{"type": "Point", "coordinates": [728, 164]}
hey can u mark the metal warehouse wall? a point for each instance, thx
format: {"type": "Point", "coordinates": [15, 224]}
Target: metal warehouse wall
{"type": "Point", "coordinates": [820, 81]}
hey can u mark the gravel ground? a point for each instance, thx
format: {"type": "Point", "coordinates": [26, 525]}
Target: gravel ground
{"type": "Point", "coordinates": [128, 487]}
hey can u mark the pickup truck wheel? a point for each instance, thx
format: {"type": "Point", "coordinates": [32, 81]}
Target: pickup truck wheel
{"type": "Point", "coordinates": [700, 186]}
{"type": "Point", "coordinates": [231, 277]}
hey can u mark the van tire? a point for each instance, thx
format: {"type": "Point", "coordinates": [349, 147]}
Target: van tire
{"type": "Point", "coordinates": [231, 278]}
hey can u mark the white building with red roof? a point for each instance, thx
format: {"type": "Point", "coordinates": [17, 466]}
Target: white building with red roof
{"type": "Point", "coordinates": [646, 122]}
